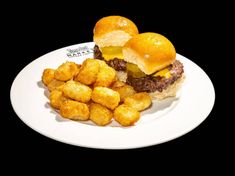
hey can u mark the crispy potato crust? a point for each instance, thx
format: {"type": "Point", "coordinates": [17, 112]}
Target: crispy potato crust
{"type": "Point", "coordinates": [139, 101]}
{"type": "Point", "coordinates": [123, 89]}
{"type": "Point", "coordinates": [55, 85]}
{"type": "Point", "coordinates": [48, 76]}
{"type": "Point", "coordinates": [126, 115]}
{"type": "Point", "coordinates": [66, 71]}
{"type": "Point", "coordinates": [57, 98]}
{"type": "Point", "coordinates": [77, 91]}
{"type": "Point", "coordinates": [99, 114]}
{"type": "Point", "coordinates": [105, 77]}
{"type": "Point", "coordinates": [88, 72]}
{"type": "Point", "coordinates": [106, 97]}
{"type": "Point", "coordinates": [74, 110]}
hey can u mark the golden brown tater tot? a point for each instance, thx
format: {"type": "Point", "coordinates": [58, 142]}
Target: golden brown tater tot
{"type": "Point", "coordinates": [99, 114]}
{"type": "Point", "coordinates": [118, 84]}
{"type": "Point", "coordinates": [105, 77]}
{"type": "Point", "coordinates": [126, 115]}
{"type": "Point", "coordinates": [57, 98]}
{"type": "Point", "coordinates": [47, 76]}
{"type": "Point", "coordinates": [106, 97]}
{"type": "Point", "coordinates": [77, 91]}
{"type": "Point", "coordinates": [88, 72]}
{"type": "Point", "coordinates": [102, 63]}
{"type": "Point", "coordinates": [66, 71]}
{"type": "Point", "coordinates": [124, 91]}
{"type": "Point", "coordinates": [139, 101]}
{"type": "Point", "coordinates": [74, 110]}
{"type": "Point", "coordinates": [55, 85]}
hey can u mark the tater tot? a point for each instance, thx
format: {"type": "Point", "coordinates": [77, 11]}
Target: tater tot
{"type": "Point", "coordinates": [105, 77]}
{"type": "Point", "coordinates": [55, 85]}
{"type": "Point", "coordinates": [78, 69]}
{"type": "Point", "coordinates": [47, 76]}
{"type": "Point", "coordinates": [106, 97]}
{"type": "Point", "coordinates": [66, 71]}
{"type": "Point", "coordinates": [88, 72]}
{"type": "Point", "coordinates": [139, 101]}
{"type": "Point", "coordinates": [126, 115]}
{"type": "Point", "coordinates": [99, 114]}
{"type": "Point", "coordinates": [57, 98]}
{"type": "Point", "coordinates": [77, 91]}
{"type": "Point", "coordinates": [74, 110]}
{"type": "Point", "coordinates": [124, 91]}
{"type": "Point", "coordinates": [101, 63]}
{"type": "Point", "coordinates": [118, 84]}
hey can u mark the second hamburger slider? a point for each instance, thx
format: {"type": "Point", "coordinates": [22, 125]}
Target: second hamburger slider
{"type": "Point", "coordinates": [110, 35]}
{"type": "Point", "coordinates": [145, 61]}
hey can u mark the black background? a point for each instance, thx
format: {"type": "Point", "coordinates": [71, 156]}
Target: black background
{"type": "Point", "coordinates": [40, 28]}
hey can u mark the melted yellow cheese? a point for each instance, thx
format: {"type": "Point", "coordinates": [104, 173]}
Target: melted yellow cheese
{"type": "Point", "coordinates": [163, 73]}
{"type": "Point", "coordinates": [111, 52]}
{"type": "Point", "coordinates": [134, 70]}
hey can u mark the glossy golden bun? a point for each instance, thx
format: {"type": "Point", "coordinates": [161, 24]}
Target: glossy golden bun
{"type": "Point", "coordinates": [150, 51]}
{"type": "Point", "coordinates": [113, 31]}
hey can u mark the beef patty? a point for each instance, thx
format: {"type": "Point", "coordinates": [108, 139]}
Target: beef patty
{"type": "Point", "coordinates": [148, 83]}
{"type": "Point", "coordinates": [151, 83]}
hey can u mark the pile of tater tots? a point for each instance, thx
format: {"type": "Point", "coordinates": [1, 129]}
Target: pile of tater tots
{"type": "Point", "coordinates": [91, 91]}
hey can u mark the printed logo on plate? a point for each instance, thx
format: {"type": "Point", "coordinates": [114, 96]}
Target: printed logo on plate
{"type": "Point", "coordinates": [80, 51]}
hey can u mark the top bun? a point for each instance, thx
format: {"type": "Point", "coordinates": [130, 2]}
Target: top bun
{"type": "Point", "coordinates": [113, 31]}
{"type": "Point", "coordinates": [150, 51]}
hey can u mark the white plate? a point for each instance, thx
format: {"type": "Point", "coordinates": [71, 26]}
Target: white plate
{"type": "Point", "coordinates": [164, 121]}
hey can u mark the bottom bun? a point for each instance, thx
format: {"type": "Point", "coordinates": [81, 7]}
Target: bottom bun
{"type": "Point", "coordinates": [171, 91]}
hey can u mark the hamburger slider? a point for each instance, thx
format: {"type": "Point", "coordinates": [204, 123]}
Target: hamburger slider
{"type": "Point", "coordinates": [110, 35]}
{"type": "Point", "coordinates": [151, 65]}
